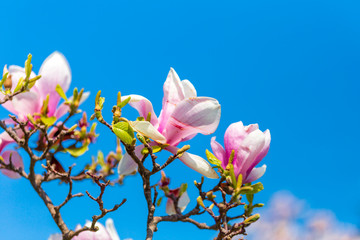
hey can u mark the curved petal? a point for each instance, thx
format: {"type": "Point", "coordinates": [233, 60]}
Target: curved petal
{"type": "Point", "coordinates": [16, 161]}
{"type": "Point", "coordinates": [26, 103]}
{"type": "Point", "coordinates": [110, 227]}
{"type": "Point", "coordinates": [189, 89]}
{"type": "Point", "coordinates": [143, 106]}
{"type": "Point", "coordinates": [263, 152]}
{"type": "Point", "coordinates": [54, 70]}
{"type": "Point", "coordinates": [127, 165]}
{"type": "Point", "coordinates": [195, 162]}
{"type": "Point", "coordinates": [255, 174]}
{"type": "Point", "coordinates": [173, 94]}
{"type": "Point", "coordinates": [147, 129]}
{"type": "Point", "coordinates": [191, 116]}
{"type": "Point", "coordinates": [184, 200]}
{"type": "Point", "coordinates": [218, 150]}
{"type": "Point", "coordinates": [248, 151]}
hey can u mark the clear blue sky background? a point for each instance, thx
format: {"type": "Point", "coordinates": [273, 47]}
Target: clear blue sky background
{"type": "Point", "coordinates": [291, 66]}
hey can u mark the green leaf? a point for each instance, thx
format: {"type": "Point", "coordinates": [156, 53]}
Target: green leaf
{"type": "Point", "coordinates": [19, 85]}
{"type": "Point", "coordinates": [232, 175]}
{"type": "Point", "coordinates": [100, 159]}
{"type": "Point", "coordinates": [258, 205]}
{"type": "Point", "coordinates": [123, 103]}
{"type": "Point", "coordinates": [4, 78]}
{"type": "Point", "coordinates": [183, 188]}
{"type": "Point", "coordinates": [212, 159]}
{"type": "Point", "coordinates": [250, 198]}
{"type": "Point", "coordinates": [48, 121]}
{"type": "Point", "coordinates": [252, 189]}
{"type": "Point", "coordinates": [61, 93]}
{"type": "Point", "coordinates": [77, 152]}
{"type": "Point", "coordinates": [252, 219]}
{"type": "Point", "coordinates": [155, 149]}
{"type": "Point", "coordinates": [124, 131]}
{"type": "Point", "coordinates": [159, 201]}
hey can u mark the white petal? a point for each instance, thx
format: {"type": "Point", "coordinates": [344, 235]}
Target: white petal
{"type": "Point", "coordinates": [195, 162]}
{"type": "Point", "coordinates": [111, 229]}
{"type": "Point", "coordinates": [256, 173]}
{"type": "Point", "coordinates": [189, 89]}
{"type": "Point", "coordinates": [184, 200]}
{"type": "Point", "coordinates": [147, 129]}
{"type": "Point", "coordinates": [127, 165]}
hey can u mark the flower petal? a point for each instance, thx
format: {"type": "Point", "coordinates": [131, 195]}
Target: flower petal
{"type": "Point", "coordinates": [255, 174]}
{"type": "Point", "coordinates": [147, 129]}
{"type": "Point", "coordinates": [26, 103]}
{"type": "Point", "coordinates": [195, 162]}
{"type": "Point", "coordinates": [191, 116]}
{"type": "Point", "coordinates": [173, 94]}
{"type": "Point", "coordinates": [127, 165]}
{"type": "Point", "coordinates": [217, 149]}
{"type": "Point", "coordinates": [16, 161]}
{"type": "Point", "coordinates": [263, 152]}
{"type": "Point", "coordinates": [184, 200]}
{"type": "Point", "coordinates": [143, 106]}
{"type": "Point", "coordinates": [110, 227]}
{"type": "Point", "coordinates": [54, 70]}
{"type": "Point", "coordinates": [248, 151]}
{"type": "Point", "coordinates": [189, 89]}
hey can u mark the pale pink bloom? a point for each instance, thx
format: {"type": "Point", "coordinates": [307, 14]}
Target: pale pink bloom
{"type": "Point", "coordinates": [250, 145]}
{"type": "Point", "coordinates": [16, 159]}
{"type": "Point", "coordinates": [54, 70]}
{"type": "Point", "coordinates": [183, 201]}
{"type": "Point", "coordinates": [104, 233]}
{"type": "Point", "coordinates": [183, 115]}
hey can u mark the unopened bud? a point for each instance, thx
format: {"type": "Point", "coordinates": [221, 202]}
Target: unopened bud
{"type": "Point", "coordinates": [8, 83]}
{"type": "Point", "coordinates": [252, 219]}
{"type": "Point", "coordinates": [200, 201]}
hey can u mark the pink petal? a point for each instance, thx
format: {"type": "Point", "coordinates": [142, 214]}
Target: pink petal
{"type": "Point", "coordinates": [255, 174]}
{"type": "Point", "coordinates": [191, 116]}
{"type": "Point", "coordinates": [16, 161]}
{"type": "Point", "coordinates": [26, 103]}
{"type": "Point", "coordinates": [234, 136]}
{"type": "Point", "coordinates": [263, 152]}
{"type": "Point", "coordinates": [127, 165]}
{"type": "Point", "coordinates": [248, 151]}
{"type": "Point", "coordinates": [184, 200]}
{"type": "Point", "coordinates": [218, 150]}
{"type": "Point", "coordinates": [173, 94]}
{"type": "Point", "coordinates": [55, 70]}
{"type": "Point", "coordinates": [143, 106]}
{"type": "Point", "coordinates": [195, 162]}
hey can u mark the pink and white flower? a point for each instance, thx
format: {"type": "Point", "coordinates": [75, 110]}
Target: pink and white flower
{"type": "Point", "coordinates": [104, 233]}
{"type": "Point", "coordinates": [183, 115]}
{"type": "Point", "coordinates": [250, 145]}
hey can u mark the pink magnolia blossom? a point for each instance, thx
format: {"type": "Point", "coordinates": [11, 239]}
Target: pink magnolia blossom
{"type": "Point", "coordinates": [16, 159]}
{"type": "Point", "coordinates": [54, 71]}
{"type": "Point", "coordinates": [250, 145]}
{"type": "Point", "coordinates": [104, 233]}
{"type": "Point", "coordinates": [183, 115]}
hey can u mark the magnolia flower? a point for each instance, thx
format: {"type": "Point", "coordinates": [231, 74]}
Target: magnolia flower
{"type": "Point", "coordinates": [250, 146]}
{"type": "Point", "coordinates": [108, 233]}
{"type": "Point", "coordinates": [183, 115]}
{"type": "Point", "coordinates": [54, 71]}
{"type": "Point", "coordinates": [16, 159]}
{"type": "Point", "coordinates": [183, 201]}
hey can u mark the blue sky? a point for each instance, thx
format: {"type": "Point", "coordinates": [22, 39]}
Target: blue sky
{"type": "Point", "coordinates": [291, 66]}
